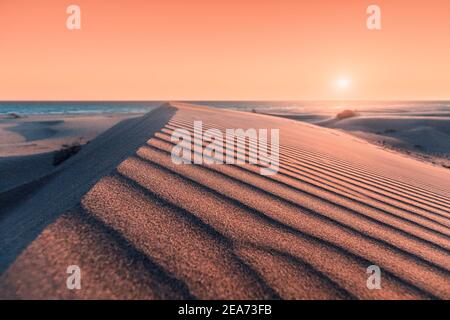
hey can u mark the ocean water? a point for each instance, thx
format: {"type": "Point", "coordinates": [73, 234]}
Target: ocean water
{"type": "Point", "coordinates": [424, 108]}
{"type": "Point", "coordinates": [331, 107]}
{"type": "Point", "coordinates": [48, 108]}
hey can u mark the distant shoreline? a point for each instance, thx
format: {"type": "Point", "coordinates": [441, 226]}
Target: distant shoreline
{"type": "Point", "coordinates": [75, 108]}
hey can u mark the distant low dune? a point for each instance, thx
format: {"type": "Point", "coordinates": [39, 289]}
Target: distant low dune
{"type": "Point", "coordinates": [423, 135]}
{"type": "Point", "coordinates": [35, 134]}
{"type": "Point", "coordinates": [426, 135]}
{"type": "Point", "coordinates": [141, 227]}
{"type": "Point", "coordinates": [28, 143]}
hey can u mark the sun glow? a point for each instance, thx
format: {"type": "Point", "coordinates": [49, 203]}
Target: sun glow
{"type": "Point", "coordinates": [343, 83]}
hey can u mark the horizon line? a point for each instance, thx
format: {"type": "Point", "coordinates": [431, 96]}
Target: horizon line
{"type": "Point", "coordinates": [231, 100]}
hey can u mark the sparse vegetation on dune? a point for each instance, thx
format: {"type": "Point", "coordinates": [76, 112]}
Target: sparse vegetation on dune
{"type": "Point", "coordinates": [66, 152]}
{"type": "Point", "coordinates": [11, 115]}
{"type": "Point", "coordinates": [346, 114]}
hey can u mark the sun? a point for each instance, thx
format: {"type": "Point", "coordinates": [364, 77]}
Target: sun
{"type": "Point", "coordinates": [343, 83]}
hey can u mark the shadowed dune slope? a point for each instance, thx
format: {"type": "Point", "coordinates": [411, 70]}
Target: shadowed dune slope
{"type": "Point", "coordinates": [148, 228]}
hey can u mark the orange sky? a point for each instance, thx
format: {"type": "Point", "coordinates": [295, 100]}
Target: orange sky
{"type": "Point", "coordinates": [228, 49]}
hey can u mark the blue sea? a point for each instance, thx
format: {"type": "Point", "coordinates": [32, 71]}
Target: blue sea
{"type": "Point", "coordinates": [49, 108]}
{"type": "Point", "coordinates": [302, 107]}
{"type": "Point", "coordinates": [441, 108]}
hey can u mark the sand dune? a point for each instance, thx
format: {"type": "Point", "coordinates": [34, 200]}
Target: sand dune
{"type": "Point", "coordinates": [36, 134]}
{"type": "Point", "coordinates": [140, 226]}
{"type": "Point", "coordinates": [27, 144]}
{"type": "Point", "coordinates": [424, 135]}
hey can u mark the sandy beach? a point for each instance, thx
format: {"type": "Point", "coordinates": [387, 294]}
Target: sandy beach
{"type": "Point", "coordinates": [28, 142]}
{"type": "Point", "coordinates": [423, 134]}
{"type": "Point", "coordinates": [141, 227]}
